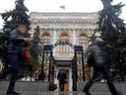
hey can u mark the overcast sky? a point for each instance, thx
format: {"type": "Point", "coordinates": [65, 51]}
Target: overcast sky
{"type": "Point", "coordinates": [54, 6]}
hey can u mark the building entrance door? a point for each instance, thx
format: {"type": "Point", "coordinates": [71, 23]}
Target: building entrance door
{"type": "Point", "coordinates": [67, 78]}
{"type": "Point", "coordinates": [66, 83]}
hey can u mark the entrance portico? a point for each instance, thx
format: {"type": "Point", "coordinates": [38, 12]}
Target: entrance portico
{"type": "Point", "coordinates": [64, 55]}
{"type": "Point", "coordinates": [69, 80]}
{"type": "Point", "coordinates": [64, 61]}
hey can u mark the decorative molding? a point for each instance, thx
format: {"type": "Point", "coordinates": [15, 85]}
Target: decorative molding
{"type": "Point", "coordinates": [72, 23]}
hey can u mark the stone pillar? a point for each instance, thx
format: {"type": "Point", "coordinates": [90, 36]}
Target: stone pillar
{"type": "Point", "coordinates": [70, 80]}
{"type": "Point", "coordinates": [55, 79]}
{"type": "Point", "coordinates": [54, 36]}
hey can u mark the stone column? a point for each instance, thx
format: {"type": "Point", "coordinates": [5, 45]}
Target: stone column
{"type": "Point", "coordinates": [55, 79]}
{"type": "Point", "coordinates": [70, 80]}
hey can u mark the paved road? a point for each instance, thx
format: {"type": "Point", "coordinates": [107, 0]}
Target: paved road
{"type": "Point", "coordinates": [41, 88]}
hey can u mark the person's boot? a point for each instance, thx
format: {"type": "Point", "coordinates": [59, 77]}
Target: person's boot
{"type": "Point", "coordinates": [86, 92]}
{"type": "Point", "coordinates": [117, 93]}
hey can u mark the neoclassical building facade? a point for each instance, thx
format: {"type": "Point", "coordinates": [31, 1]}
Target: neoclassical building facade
{"type": "Point", "coordinates": [74, 26]}
{"type": "Point", "coordinates": [70, 28]}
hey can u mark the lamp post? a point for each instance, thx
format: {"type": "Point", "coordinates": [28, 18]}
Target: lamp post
{"type": "Point", "coordinates": [74, 68]}
{"type": "Point", "coordinates": [82, 56]}
{"type": "Point", "coordinates": [49, 51]}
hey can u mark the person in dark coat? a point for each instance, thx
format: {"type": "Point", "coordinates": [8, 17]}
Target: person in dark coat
{"type": "Point", "coordinates": [14, 56]}
{"type": "Point", "coordinates": [61, 77]}
{"type": "Point", "coordinates": [99, 59]}
{"type": "Point", "coordinates": [13, 70]}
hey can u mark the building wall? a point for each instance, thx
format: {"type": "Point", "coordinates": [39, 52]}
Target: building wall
{"type": "Point", "coordinates": [56, 25]}
{"type": "Point", "coordinates": [72, 23]}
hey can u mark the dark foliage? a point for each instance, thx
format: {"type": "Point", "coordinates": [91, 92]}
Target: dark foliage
{"type": "Point", "coordinates": [112, 29]}
{"type": "Point", "coordinates": [11, 20]}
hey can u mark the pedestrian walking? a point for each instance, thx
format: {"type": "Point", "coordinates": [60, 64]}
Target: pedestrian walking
{"type": "Point", "coordinates": [15, 56]}
{"type": "Point", "coordinates": [99, 59]}
{"type": "Point", "coordinates": [61, 77]}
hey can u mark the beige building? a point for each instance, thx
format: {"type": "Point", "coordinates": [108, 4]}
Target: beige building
{"type": "Point", "coordinates": [75, 24]}
{"type": "Point", "coordinates": [72, 28]}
